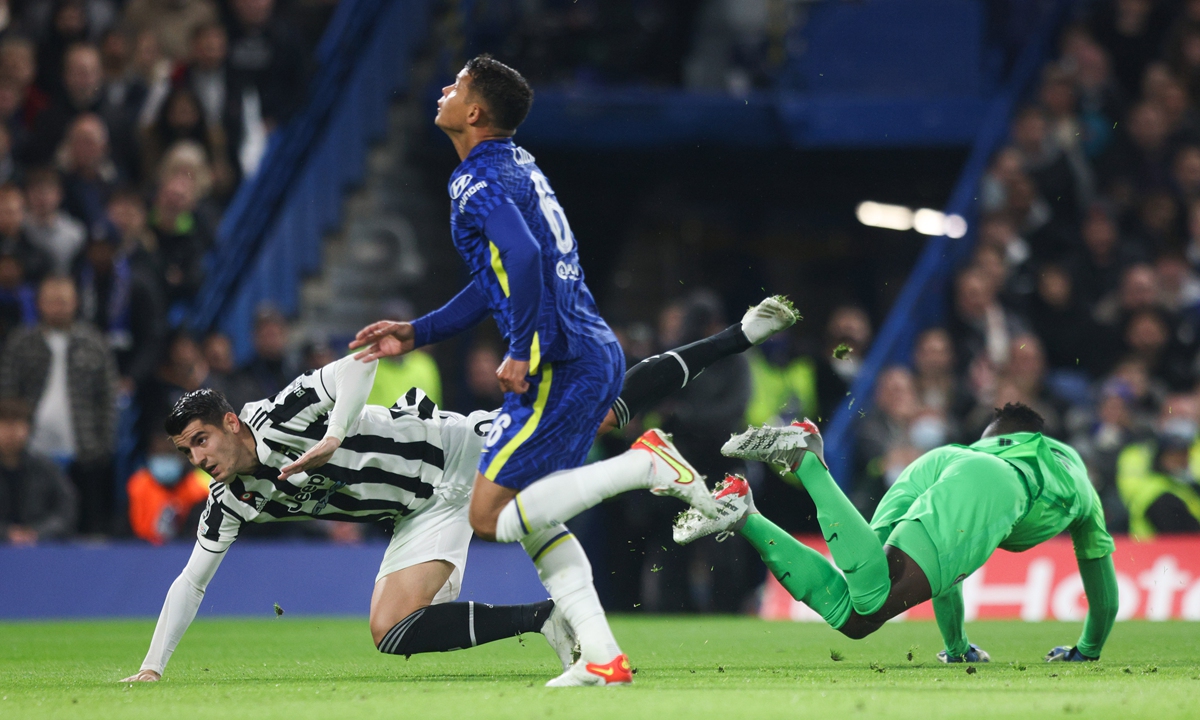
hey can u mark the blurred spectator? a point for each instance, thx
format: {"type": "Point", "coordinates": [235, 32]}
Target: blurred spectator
{"type": "Point", "coordinates": [267, 60]}
{"type": "Point", "coordinates": [172, 22]}
{"type": "Point", "coordinates": [189, 158]}
{"type": "Point", "coordinates": [1062, 323]}
{"type": "Point", "coordinates": [1055, 163]}
{"type": "Point", "coordinates": [126, 306]}
{"type": "Point", "coordinates": [36, 501]}
{"type": "Point", "coordinates": [14, 240]}
{"type": "Point", "coordinates": [980, 326]}
{"type": "Point", "coordinates": [181, 368]}
{"type": "Point", "coordinates": [180, 238]}
{"type": "Point", "coordinates": [1096, 271]}
{"type": "Point", "coordinates": [207, 75]}
{"type": "Point", "coordinates": [166, 495]}
{"type": "Point", "coordinates": [182, 119]}
{"type": "Point", "coordinates": [1132, 31]}
{"type": "Point", "coordinates": [1027, 370]}
{"type": "Point", "coordinates": [18, 298]}
{"type": "Point", "coordinates": [89, 175]}
{"type": "Point", "coordinates": [18, 67]}
{"type": "Point", "coordinates": [849, 326]}
{"type": "Point", "coordinates": [50, 229]}
{"type": "Point", "coordinates": [267, 372]}
{"type": "Point", "coordinates": [128, 216]}
{"type": "Point", "coordinates": [483, 389]}
{"type": "Point", "coordinates": [1178, 284]}
{"type": "Point", "coordinates": [68, 27]}
{"type": "Point", "coordinates": [1114, 428]}
{"type": "Point", "coordinates": [885, 442]}
{"type": "Point", "coordinates": [1140, 156]}
{"type": "Point", "coordinates": [1157, 478]}
{"type": "Point", "coordinates": [64, 370]}
{"type": "Point", "coordinates": [935, 381]}
{"type": "Point", "coordinates": [217, 350]}
{"type": "Point", "coordinates": [83, 94]}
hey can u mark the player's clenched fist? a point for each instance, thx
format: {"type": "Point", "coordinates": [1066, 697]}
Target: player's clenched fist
{"type": "Point", "coordinates": [144, 676]}
{"type": "Point", "coordinates": [512, 375]}
{"type": "Point", "coordinates": [385, 338]}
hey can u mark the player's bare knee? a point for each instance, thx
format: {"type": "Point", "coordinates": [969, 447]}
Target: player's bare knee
{"type": "Point", "coordinates": [484, 524]}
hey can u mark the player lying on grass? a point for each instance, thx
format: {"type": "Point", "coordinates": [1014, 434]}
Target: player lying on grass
{"type": "Point", "coordinates": [942, 519]}
{"type": "Point", "coordinates": [317, 450]}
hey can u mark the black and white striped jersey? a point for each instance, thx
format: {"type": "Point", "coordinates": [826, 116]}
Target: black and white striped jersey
{"type": "Point", "coordinates": [389, 465]}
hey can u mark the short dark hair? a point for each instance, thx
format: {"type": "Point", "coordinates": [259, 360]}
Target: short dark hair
{"type": "Point", "coordinates": [206, 405]}
{"type": "Point", "coordinates": [505, 92]}
{"type": "Point", "coordinates": [1015, 418]}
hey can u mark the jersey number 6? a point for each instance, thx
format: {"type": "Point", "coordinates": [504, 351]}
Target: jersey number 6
{"type": "Point", "coordinates": [555, 217]}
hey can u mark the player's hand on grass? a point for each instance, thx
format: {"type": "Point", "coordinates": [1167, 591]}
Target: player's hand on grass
{"type": "Point", "coordinates": [316, 456]}
{"type": "Point", "coordinates": [143, 676]}
{"type": "Point", "coordinates": [1063, 653]}
{"type": "Point", "coordinates": [385, 338]}
{"type": "Point", "coordinates": [512, 375]}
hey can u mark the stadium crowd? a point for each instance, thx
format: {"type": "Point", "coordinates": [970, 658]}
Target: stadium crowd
{"type": "Point", "coordinates": [125, 127]}
{"type": "Point", "coordinates": [1082, 298]}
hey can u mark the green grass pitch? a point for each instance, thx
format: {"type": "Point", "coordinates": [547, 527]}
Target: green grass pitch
{"type": "Point", "coordinates": [688, 667]}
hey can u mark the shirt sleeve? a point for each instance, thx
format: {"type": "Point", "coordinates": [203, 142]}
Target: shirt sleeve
{"type": "Point", "coordinates": [219, 526]}
{"type": "Point", "coordinates": [180, 606]}
{"type": "Point", "coordinates": [1089, 534]}
{"type": "Point", "coordinates": [1103, 596]}
{"type": "Point", "coordinates": [464, 311]}
{"type": "Point", "coordinates": [348, 382]}
{"type": "Point", "coordinates": [518, 257]}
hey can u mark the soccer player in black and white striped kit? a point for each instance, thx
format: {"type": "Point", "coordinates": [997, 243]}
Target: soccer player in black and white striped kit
{"type": "Point", "coordinates": [317, 450]}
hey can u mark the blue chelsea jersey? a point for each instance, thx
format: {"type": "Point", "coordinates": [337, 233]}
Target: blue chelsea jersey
{"type": "Point", "coordinates": [497, 172]}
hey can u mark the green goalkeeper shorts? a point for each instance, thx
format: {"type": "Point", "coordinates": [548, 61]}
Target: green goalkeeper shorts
{"type": "Point", "coordinates": [955, 525]}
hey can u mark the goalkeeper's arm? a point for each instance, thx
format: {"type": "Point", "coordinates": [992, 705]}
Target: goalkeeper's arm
{"type": "Point", "coordinates": [1100, 586]}
{"type": "Point", "coordinates": [179, 609]}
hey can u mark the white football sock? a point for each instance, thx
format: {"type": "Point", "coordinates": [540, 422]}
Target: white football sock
{"type": "Point", "coordinates": [565, 571]}
{"type": "Point", "coordinates": [561, 496]}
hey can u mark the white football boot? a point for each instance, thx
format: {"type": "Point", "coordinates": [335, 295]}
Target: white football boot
{"type": "Point", "coordinates": [734, 502]}
{"type": "Point", "coordinates": [778, 445]}
{"type": "Point", "coordinates": [673, 475]}
{"type": "Point", "coordinates": [767, 318]}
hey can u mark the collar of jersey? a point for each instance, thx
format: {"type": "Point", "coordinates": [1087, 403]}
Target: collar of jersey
{"type": "Point", "coordinates": [488, 144]}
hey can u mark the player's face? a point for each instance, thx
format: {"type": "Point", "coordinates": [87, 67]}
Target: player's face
{"type": "Point", "coordinates": [216, 450]}
{"type": "Point", "coordinates": [453, 107]}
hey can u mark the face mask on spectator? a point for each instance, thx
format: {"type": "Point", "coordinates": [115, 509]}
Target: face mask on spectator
{"type": "Point", "coordinates": [928, 432]}
{"type": "Point", "coordinates": [166, 469]}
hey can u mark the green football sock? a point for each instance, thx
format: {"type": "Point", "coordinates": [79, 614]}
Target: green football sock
{"type": "Point", "coordinates": [803, 572]}
{"type": "Point", "coordinates": [950, 612]}
{"type": "Point", "coordinates": [855, 547]}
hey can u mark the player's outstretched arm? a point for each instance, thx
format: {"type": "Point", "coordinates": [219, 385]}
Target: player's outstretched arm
{"type": "Point", "coordinates": [179, 609]}
{"type": "Point", "coordinates": [387, 338]}
{"type": "Point", "coordinates": [1100, 585]}
{"type": "Point", "coordinates": [348, 381]}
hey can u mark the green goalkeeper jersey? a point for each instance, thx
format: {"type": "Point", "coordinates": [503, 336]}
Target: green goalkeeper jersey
{"type": "Point", "coordinates": [1061, 497]}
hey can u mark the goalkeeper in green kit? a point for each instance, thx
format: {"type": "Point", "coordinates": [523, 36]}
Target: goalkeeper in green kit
{"type": "Point", "coordinates": [941, 521]}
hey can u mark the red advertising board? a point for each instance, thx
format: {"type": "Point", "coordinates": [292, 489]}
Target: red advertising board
{"type": "Point", "coordinates": [1158, 580]}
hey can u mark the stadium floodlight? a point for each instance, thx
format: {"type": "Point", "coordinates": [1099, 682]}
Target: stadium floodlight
{"type": "Point", "coordinates": [923, 220]}
{"type": "Point", "coordinates": [929, 222]}
{"type": "Point", "coordinates": [880, 215]}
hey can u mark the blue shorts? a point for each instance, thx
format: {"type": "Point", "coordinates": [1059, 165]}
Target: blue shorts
{"type": "Point", "coordinates": [551, 426]}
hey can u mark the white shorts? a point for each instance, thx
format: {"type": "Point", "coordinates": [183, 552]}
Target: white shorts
{"type": "Point", "coordinates": [442, 529]}
{"type": "Point", "coordinates": [439, 531]}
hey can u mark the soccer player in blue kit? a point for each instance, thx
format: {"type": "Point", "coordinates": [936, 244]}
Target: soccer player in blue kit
{"type": "Point", "coordinates": [563, 369]}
